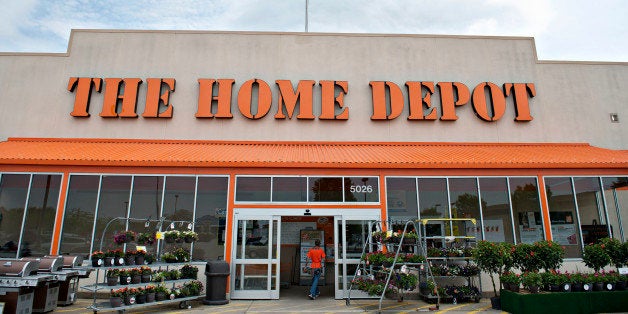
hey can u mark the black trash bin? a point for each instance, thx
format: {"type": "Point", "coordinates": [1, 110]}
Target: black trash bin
{"type": "Point", "coordinates": [216, 273]}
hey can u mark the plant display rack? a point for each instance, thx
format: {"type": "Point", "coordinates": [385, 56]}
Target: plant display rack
{"type": "Point", "coordinates": [366, 271]}
{"type": "Point", "coordinates": [473, 291]}
{"type": "Point", "coordinates": [103, 286]}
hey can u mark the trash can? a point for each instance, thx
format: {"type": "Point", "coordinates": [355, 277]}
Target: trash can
{"type": "Point", "coordinates": [216, 273]}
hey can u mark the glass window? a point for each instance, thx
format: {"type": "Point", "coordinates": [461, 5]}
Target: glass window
{"type": "Point", "coordinates": [433, 203]}
{"type": "Point", "coordinates": [178, 206]}
{"type": "Point", "coordinates": [289, 189]}
{"type": "Point", "coordinates": [211, 214]}
{"type": "Point", "coordinates": [616, 197]}
{"type": "Point", "coordinates": [40, 215]}
{"type": "Point", "coordinates": [401, 199]}
{"type": "Point", "coordinates": [497, 222]}
{"type": "Point", "coordinates": [78, 220]}
{"type": "Point", "coordinates": [562, 210]}
{"type": "Point", "coordinates": [361, 189]}
{"type": "Point", "coordinates": [465, 203]}
{"type": "Point", "coordinates": [253, 189]}
{"type": "Point", "coordinates": [325, 189]}
{"type": "Point", "coordinates": [145, 204]}
{"type": "Point", "coordinates": [591, 209]}
{"type": "Point", "coordinates": [113, 203]}
{"type": "Point", "coordinates": [524, 196]}
{"type": "Point", "coordinates": [13, 192]}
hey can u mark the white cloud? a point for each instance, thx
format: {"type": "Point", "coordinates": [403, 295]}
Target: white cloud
{"type": "Point", "coordinates": [563, 29]}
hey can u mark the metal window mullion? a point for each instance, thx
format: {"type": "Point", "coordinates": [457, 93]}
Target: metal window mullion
{"type": "Point", "coordinates": [91, 248]}
{"type": "Point", "coordinates": [477, 186]}
{"type": "Point", "coordinates": [575, 199]}
{"type": "Point", "coordinates": [163, 197]}
{"type": "Point", "coordinates": [193, 213]}
{"type": "Point", "coordinates": [512, 217]}
{"type": "Point", "coordinates": [28, 196]}
{"type": "Point", "coordinates": [272, 180]}
{"type": "Point", "coordinates": [416, 190]}
{"type": "Point", "coordinates": [269, 262]}
{"type": "Point", "coordinates": [605, 207]}
{"type": "Point", "coordinates": [618, 209]}
{"type": "Point", "coordinates": [451, 225]}
{"type": "Point", "coordinates": [128, 208]}
{"type": "Point", "coordinates": [343, 188]}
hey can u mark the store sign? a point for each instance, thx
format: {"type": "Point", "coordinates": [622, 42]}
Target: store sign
{"type": "Point", "coordinates": [255, 99]}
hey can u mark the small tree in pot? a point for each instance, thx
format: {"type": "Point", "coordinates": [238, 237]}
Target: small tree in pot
{"type": "Point", "coordinates": [490, 258]}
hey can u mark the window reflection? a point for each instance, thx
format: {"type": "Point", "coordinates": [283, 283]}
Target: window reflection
{"type": "Point", "coordinates": [524, 195]}
{"type": "Point", "coordinates": [497, 222]}
{"type": "Point", "coordinates": [13, 192]}
{"type": "Point", "coordinates": [40, 215]}
{"type": "Point", "coordinates": [78, 221]}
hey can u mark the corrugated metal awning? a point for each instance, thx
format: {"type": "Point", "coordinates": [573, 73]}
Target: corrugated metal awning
{"type": "Point", "coordinates": [403, 155]}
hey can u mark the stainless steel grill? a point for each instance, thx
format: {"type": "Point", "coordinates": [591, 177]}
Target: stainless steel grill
{"type": "Point", "coordinates": [18, 268]}
{"type": "Point", "coordinates": [70, 261]}
{"type": "Point", "coordinates": [46, 264]}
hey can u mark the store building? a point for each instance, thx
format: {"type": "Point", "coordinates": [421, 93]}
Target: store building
{"type": "Point", "coordinates": [260, 135]}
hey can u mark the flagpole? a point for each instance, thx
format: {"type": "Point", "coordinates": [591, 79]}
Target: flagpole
{"type": "Point", "coordinates": [306, 5]}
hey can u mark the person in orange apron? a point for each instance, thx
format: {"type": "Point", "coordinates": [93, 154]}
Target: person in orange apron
{"type": "Point", "coordinates": [316, 255]}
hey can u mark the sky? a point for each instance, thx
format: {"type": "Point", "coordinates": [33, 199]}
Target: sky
{"type": "Point", "coordinates": [572, 30]}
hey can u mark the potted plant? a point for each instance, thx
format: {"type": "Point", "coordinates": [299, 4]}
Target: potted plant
{"type": "Point", "coordinates": [610, 280]}
{"type": "Point", "coordinates": [158, 277]}
{"type": "Point", "coordinates": [98, 258]}
{"type": "Point", "coordinates": [129, 258]}
{"type": "Point", "coordinates": [174, 274]}
{"type": "Point", "coordinates": [182, 255]}
{"type": "Point", "coordinates": [112, 277]}
{"type": "Point", "coordinates": [189, 271]}
{"type": "Point", "coordinates": [414, 258]}
{"type": "Point", "coordinates": [109, 258]}
{"type": "Point", "coordinates": [129, 298]}
{"type": "Point", "coordinates": [193, 287]}
{"type": "Point", "coordinates": [118, 257]}
{"type": "Point", "coordinates": [122, 237]}
{"type": "Point", "coordinates": [577, 281]}
{"type": "Point", "coordinates": [161, 292]}
{"type": "Point", "coordinates": [146, 238]}
{"type": "Point", "coordinates": [172, 236]}
{"type": "Point", "coordinates": [149, 258]}
{"type": "Point", "coordinates": [140, 257]}
{"type": "Point", "coordinates": [169, 258]}
{"type": "Point", "coordinates": [150, 293]}
{"type": "Point", "coordinates": [615, 250]}
{"type": "Point", "coordinates": [125, 277]}
{"type": "Point", "coordinates": [136, 275]}
{"type": "Point", "coordinates": [511, 281]}
{"type": "Point", "coordinates": [489, 257]}
{"type": "Point", "coordinates": [378, 236]}
{"type": "Point", "coordinates": [410, 237]}
{"type": "Point", "coordinates": [146, 273]}
{"type": "Point", "coordinates": [140, 296]}
{"type": "Point", "coordinates": [116, 297]}
{"type": "Point", "coordinates": [189, 236]}
{"type": "Point", "coordinates": [532, 281]}
{"type": "Point", "coordinates": [374, 258]}
{"type": "Point", "coordinates": [595, 257]}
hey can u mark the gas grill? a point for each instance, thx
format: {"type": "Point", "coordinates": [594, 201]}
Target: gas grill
{"type": "Point", "coordinates": [46, 293]}
{"type": "Point", "coordinates": [68, 284]}
{"type": "Point", "coordinates": [18, 280]}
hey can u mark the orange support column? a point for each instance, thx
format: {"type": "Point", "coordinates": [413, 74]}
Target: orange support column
{"type": "Point", "coordinates": [229, 223]}
{"type": "Point", "coordinates": [382, 196]}
{"type": "Point", "coordinates": [56, 235]}
{"type": "Point", "coordinates": [544, 209]}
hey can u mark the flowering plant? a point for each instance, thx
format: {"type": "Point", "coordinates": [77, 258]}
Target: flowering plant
{"type": "Point", "coordinates": [414, 258]}
{"type": "Point", "coordinates": [98, 255]}
{"type": "Point", "coordinates": [595, 256]}
{"type": "Point", "coordinates": [490, 258]}
{"type": "Point", "coordinates": [189, 236]}
{"type": "Point", "coordinates": [115, 253]}
{"type": "Point", "coordinates": [146, 238]}
{"type": "Point", "coordinates": [124, 237]}
{"type": "Point", "coordinates": [531, 279]}
{"type": "Point", "coordinates": [375, 258]}
{"type": "Point", "coordinates": [510, 278]}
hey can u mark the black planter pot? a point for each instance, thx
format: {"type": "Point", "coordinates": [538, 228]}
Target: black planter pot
{"type": "Point", "coordinates": [115, 301]}
{"type": "Point", "coordinates": [576, 287]}
{"type": "Point", "coordinates": [554, 288]}
{"type": "Point", "coordinates": [150, 297]}
{"type": "Point", "coordinates": [136, 279]}
{"type": "Point", "coordinates": [533, 289]}
{"type": "Point", "coordinates": [160, 296]}
{"type": "Point", "coordinates": [125, 279]}
{"type": "Point", "coordinates": [140, 299]}
{"type": "Point", "coordinates": [129, 300]}
{"type": "Point", "coordinates": [609, 286]}
{"type": "Point", "coordinates": [119, 261]}
{"type": "Point", "coordinates": [139, 260]}
{"type": "Point", "coordinates": [587, 287]}
{"type": "Point", "coordinates": [97, 262]}
{"type": "Point", "coordinates": [496, 303]}
{"type": "Point", "coordinates": [598, 286]}
{"type": "Point", "coordinates": [129, 260]}
{"type": "Point", "coordinates": [145, 278]}
{"type": "Point", "coordinates": [112, 281]}
{"type": "Point", "coordinates": [109, 261]}
{"type": "Point", "coordinates": [620, 285]}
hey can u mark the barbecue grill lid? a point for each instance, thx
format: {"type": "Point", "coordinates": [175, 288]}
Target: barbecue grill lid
{"type": "Point", "coordinates": [18, 268]}
{"type": "Point", "coordinates": [47, 264]}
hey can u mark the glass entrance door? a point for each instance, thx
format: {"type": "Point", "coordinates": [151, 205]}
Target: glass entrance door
{"type": "Point", "coordinates": [256, 251]}
{"type": "Point", "coordinates": [350, 238]}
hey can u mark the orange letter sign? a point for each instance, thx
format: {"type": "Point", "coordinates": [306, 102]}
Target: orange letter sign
{"type": "Point", "coordinates": [128, 97]}
{"type": "Point", "coordinates": [83, 96]}
{"type": "Point", "coordinates": [329, 100]}
{"type": "Point", "coordinates": [154, 99]}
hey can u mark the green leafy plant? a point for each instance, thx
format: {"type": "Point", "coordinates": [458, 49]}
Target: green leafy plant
{"type": "Point", "coordinates": [550, 254]}
{"type": "Point", "coordinates": [146, 238]}
{"type": "Point", "coordinates": [615, 250]}
{"type": "Point", "coordinates": [375, 258]}
{"type": "Point", "coordinates": [162, 289]}
{"type": "Point", "coordinates": [189, 271]}
{"type": "Point", "coordinates": [414, 258]}
{"type": "Point", "coordinates": [172, 236]}
{"type": "Point", "coordinates": [595, 256]}
{"type": "Point", "coordinates": [189, 236]}
{"type": "Point", "coordinates": [531, 279]}
{"type": "Point", "coordinates": [490, 258]}
{"type": "Point", "coordinates": [98, 255]}
{"type": "Point", "coordinates": [510, 278]}
{"type": "Point", "coordinates": [113, 272]}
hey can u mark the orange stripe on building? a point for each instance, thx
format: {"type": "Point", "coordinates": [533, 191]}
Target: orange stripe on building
{"type": "Point", "coordinates": [56, 234]}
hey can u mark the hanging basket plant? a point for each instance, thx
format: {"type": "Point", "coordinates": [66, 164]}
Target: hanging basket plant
{"type": "Point", "coordinates": [124, 237]}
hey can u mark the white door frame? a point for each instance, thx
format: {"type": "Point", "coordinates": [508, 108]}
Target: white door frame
{"type": "Point", "coordinates": [341, 215]}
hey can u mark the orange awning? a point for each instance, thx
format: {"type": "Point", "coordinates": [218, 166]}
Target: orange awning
{"type": "Point", "coordinates": [394, 155]}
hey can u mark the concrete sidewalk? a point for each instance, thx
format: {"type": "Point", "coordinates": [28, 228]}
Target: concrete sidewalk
{"type": "Point", "coordinates": [301, 305]}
